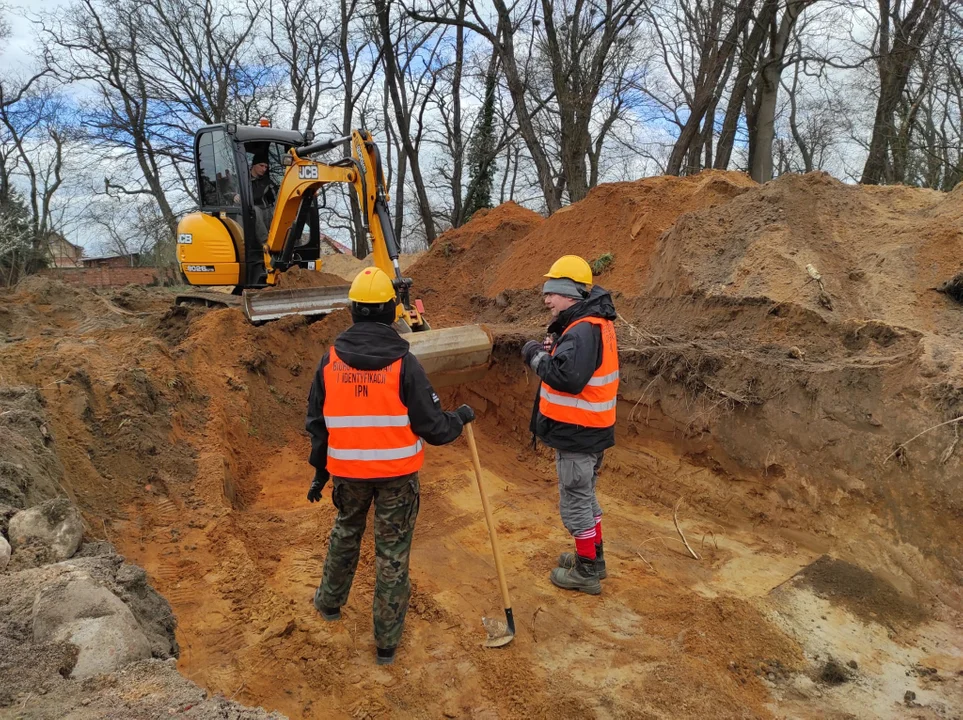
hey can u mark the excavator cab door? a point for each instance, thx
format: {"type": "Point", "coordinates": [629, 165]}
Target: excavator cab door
{"type": "Point", "coordinates": [224, 192]}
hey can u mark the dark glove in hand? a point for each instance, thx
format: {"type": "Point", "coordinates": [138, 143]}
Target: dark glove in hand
{"type": "Point", "coordinates": [465, 414]}
{"type": "Point", "coordinates": [320, 480]}
{"type": "Point", "coordinates": [530, 350]}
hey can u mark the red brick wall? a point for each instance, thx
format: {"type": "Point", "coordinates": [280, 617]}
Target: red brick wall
{"type": "Point", "coordinates": [106, 276]}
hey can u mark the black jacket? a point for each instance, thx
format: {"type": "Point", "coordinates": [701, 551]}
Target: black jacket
{"type": "Point", "coordinates": [263, 192]}
{"type": "Point", "coordinates": [578, 354]}
{"type": "Point", "coordinates": [373, 346]}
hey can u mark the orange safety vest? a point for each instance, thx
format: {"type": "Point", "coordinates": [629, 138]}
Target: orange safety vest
{"type": "Point", "coordinates": [369, 434]}
{"type": "Point", "coordinates": [595, 405]}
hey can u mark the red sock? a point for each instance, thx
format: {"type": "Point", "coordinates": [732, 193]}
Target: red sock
{"type": "Point", "coordinates": [585, 544]}
{"type": "Point", "coordinates": [598, 530]}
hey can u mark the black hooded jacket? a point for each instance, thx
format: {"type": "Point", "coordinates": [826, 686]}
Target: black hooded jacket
{"type": "Point", "coordinates": [578, 354]}
{"type": "Point", "coordinates": [374, 346]}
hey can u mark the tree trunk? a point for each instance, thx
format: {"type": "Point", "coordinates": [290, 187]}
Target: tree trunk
{"type": "Point", "coordinates": [403, 117]}
{"type": "Point", "coordinates": [900, 43]}
{"type": "Point", "coordinates": [713, 62]}
{"type": "Point", "coordinates": [359, 239]}
{"type": "Point", "coordinates": [458, 138]}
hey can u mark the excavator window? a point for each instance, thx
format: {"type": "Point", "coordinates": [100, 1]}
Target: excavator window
{"type": "Point", "coordinates": [217, 171]}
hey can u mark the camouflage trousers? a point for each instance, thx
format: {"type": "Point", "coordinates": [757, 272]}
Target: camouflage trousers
{"type": "Point", "coordinates": [396, 504]}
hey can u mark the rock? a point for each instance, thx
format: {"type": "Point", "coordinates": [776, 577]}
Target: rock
{"type": "Point", "coordinates": [796, 354]}
{"type": "Point", "coordinates": [77, 610]}
{"type": "Point", "coordinates": [54, 524]}
{"type": "Point", "coordinates": [4, 552]}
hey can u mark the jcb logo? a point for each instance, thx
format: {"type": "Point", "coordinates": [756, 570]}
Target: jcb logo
{"type": "Point", "coordinates": [185, 239]}
{"type": "Point", "coordinates": [308, 172]}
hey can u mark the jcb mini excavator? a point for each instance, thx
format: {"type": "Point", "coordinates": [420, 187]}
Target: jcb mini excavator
{"type": "Point", "coordinates": [239, 238]}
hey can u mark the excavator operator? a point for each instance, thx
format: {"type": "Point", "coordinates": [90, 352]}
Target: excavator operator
{"type": "Point", "coordinates": [263, 192]}
{"type": "Point", "coordinates": [371, 409]}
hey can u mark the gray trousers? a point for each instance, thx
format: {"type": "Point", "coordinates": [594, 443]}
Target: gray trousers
{"type": "Point", "coordinates": [577, 475]}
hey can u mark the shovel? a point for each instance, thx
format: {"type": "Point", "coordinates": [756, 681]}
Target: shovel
{"type": "Point", "coordinates": [499, 633]}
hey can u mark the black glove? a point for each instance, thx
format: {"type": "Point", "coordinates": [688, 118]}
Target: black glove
{"type": "Point", "coordinates": [320, 480]}
{"type": "Point", "coordinates": [530, 350]}
{"type": "Point", "coordinates": [465, 414]}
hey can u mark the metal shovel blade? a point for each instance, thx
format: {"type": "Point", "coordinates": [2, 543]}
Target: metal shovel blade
{"type": "Point", "coordinates": [499, 633]}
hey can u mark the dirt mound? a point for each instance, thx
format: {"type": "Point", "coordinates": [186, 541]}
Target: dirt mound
{"type": "Point", "coordinates": [344, 266]}
{"type": "Point", "coordinates": [405, 260]}
{"type": "Point", "coordinates": [622, 219]}
{"type": "Point", "coordinates": [297, 277]}
{"type": "Point", "coordinates": [879, 252]}
{"type": "Point", "coordinates": [464, 262]}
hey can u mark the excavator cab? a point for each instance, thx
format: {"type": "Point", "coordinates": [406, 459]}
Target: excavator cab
{"type": "Point", "coordinates": [223, 243]}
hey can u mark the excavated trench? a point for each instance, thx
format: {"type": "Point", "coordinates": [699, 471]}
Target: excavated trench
{"type": "Point", "coordinates": [194, 464]}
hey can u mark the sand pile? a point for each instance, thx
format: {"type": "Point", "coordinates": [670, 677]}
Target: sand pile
{"type": "Point", "coordinates": [344, 266]}
{"type": "Point", "coordinates": [880, 252]}
{"type": "Point", "coordinates": [621, 219]}
{"type": "Point", "coordinates": [298, 278]}
{"type": "Point", "coordinates": [463, 262]}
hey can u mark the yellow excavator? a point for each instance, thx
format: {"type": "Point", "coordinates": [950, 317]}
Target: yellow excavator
{"type": "Point", "coordinates": [260, 193]}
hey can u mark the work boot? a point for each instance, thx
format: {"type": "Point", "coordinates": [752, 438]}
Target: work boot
{"type": "Point", "coordinates": [329, 614]}
{"type": "Point", "coordinates": [386, 656]}
{"type": "Point", "coordinates": [567, 560]}
{"type": "Point", "coordinates": [581, 576]}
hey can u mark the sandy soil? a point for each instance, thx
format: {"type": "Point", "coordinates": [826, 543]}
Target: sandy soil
{"type": "Point", "coordinates": [827, 583]}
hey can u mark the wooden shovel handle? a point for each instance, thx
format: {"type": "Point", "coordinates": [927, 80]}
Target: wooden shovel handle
{"type": "Point", "coordinates": [499, 568]}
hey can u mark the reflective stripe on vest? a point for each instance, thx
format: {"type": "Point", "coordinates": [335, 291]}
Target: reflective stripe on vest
{"type": "Point", "coordinates": [595, 405]}
{"type": "Point", "coordinates": [369, 432]}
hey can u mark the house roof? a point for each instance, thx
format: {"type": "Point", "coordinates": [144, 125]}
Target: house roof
{"type": "Point", "coordinates": [57, 237]}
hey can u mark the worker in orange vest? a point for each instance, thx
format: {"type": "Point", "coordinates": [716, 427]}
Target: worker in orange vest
{"type": "Point", "coordinates": [371, 409]}
{"type": "Point", "coordinates": [578, 363]}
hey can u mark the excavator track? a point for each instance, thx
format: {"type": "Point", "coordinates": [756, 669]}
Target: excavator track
{"type": "Point", "coordinates": [210, 299]}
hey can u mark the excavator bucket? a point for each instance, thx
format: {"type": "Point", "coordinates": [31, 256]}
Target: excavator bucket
{"type": "Point", "coordinates": [263, 306]}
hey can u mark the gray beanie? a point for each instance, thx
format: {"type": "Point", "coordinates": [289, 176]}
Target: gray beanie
{"type": "Point", "coordinates": [565, 287]}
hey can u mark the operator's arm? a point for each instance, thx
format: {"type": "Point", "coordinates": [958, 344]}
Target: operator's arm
{"type": "Point", "coordinates": [577, 357]}
{"type": "Point", "coordinates": [428, 420]}
{"type": "Point", "coordinates": [314, 422]}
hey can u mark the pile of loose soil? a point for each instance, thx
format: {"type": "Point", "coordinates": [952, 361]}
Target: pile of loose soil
{"type": "Point", "coordinates": [463, 262]}
{"type": "Point", "coordinates": [880, 252]}
{"type": "Point", "coordinates": [344, 266]}
{"type": "Point", "coordinates": [297, 278]}
{"type": "Point", "coordinates": [621, 219]}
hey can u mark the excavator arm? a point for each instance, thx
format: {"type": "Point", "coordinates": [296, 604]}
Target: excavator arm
{"type": "Point", "coordinates": [363, 171]}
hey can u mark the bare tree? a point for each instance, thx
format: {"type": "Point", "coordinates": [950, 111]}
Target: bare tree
{"type": "Point", "coordinates": [301, 36]}
{"type": "Point", "coordinates": [698, 41]}
{"type": "Point", "coordinates": [902, 30]}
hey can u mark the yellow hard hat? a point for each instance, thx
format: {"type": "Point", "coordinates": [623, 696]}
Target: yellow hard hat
{"type": "Point", "coordinates": [572, 267]}
{"type": "Point", "coordinates": [372, 286]}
